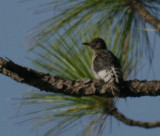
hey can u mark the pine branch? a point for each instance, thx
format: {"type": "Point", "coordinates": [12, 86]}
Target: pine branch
{"type": "Point", "coordinates": [113, 111]}
{"type": "Point", "coordinates": [144, 13]}
{"type": "Point", "coordinates": [83, 87]}
{"type": "Point", "coordinates": [119, 116]}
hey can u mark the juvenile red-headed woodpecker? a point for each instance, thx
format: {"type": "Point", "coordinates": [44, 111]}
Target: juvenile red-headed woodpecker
{"type": "Point", "coordinates": [105, 65]}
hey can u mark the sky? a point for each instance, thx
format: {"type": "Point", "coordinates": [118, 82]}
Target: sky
{"type": "Point", "coordinates": [16, 21]}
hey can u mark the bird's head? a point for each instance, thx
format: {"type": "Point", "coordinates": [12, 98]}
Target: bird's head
{"type": "Point", "coordinates": [96, 44]}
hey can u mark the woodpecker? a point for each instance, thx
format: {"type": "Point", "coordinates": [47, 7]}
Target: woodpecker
{"type": "Point", "coordinates": [105, 65]}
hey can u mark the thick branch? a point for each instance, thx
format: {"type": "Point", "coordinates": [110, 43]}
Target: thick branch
{"type": "Point", "coordinates": [84, 87]}
{"type": "Point", "coordinates": [119, 116]}
{"type": "Point", "coordinates": [144, 13]}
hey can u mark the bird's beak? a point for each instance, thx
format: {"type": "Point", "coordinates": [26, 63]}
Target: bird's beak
{"type": "Point", "coordinates": [86, 44]}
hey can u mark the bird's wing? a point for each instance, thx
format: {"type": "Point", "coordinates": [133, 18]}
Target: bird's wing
{"type": "Point", "coordinates": [107, 67]}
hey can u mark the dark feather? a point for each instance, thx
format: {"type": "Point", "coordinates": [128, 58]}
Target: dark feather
{"type": "Point", "coordinates": [105, 60]}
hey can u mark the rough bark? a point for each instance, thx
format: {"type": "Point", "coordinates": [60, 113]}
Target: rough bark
{"type": "Point", "coordinates": [144, 13]}
{"type": "Point", "coordinates": [83, 87]}
{"type": "Point", "coordinates": [119, 116]}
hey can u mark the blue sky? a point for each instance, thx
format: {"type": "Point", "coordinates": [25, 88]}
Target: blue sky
{"type": "Point", "coordinates": [16, 21]}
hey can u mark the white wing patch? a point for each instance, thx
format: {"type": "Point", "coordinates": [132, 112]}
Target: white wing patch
{"type": "Point", "coordinates": [110, 75]}
{"type": "Point", "coordinates": [105, 75]}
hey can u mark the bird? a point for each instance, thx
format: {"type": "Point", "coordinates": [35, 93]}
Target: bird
{"type": "Point", "coordinates": [105, 65]}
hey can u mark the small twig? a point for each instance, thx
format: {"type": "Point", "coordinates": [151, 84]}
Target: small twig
{"type": "Point", "coordinates": [144, 13]}
{"type": "Point", "coordinates": [119, 116]}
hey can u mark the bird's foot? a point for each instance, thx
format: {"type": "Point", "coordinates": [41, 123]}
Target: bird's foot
{"type": "Point", "coordinates": [111, 89]}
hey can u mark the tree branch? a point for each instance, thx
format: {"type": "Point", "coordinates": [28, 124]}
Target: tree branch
{"type": "Point", "coordinates": [84, 87]}
{"type": "Point", "coordinates": [119, 116]}
{"type": "Point", "coordinates": [144, 13]}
